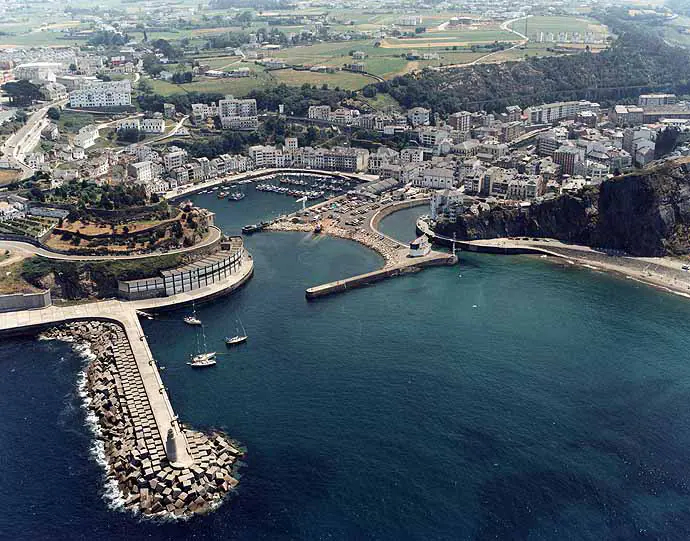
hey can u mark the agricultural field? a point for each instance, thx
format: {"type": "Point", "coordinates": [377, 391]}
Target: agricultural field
{"type": "Point", "coordinates": [678, 31]}
{"type": "Point", "coordinates": [343, 79]}
{"type": "Point", "coordinates": [537, 25]}
{"type": "Point", "coordinates": [236, 87]}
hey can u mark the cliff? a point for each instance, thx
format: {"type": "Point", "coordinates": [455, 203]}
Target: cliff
{"type": "Point", "coordinates": [646, 213]}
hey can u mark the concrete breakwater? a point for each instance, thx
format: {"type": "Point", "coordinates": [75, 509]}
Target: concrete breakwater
{"type": "Point", "coordinates": [149, 480]}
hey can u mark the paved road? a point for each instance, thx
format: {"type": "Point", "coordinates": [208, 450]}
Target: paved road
{"type": "Point", "coordinates": [13, 146]}
{"type": "Point", "coordinates": [29, 249]}
{"type": "Point", "coordinates": [505, 26]}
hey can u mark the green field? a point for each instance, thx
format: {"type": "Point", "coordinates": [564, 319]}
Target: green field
{"type": "Point", "coordinates": [343, 79]}
{"type": "Point", "coordinates": [536, 25]}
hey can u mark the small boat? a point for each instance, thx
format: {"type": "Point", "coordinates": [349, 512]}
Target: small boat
{"type": "Point", "coordinates": [234, 340]}
{"type": "Point", "coordinates": [236, 196]}
{"type": "Point", "coordinates": [222, 195]}
{"type": "Point", "coordinates": [238, 338]}
{"type": "Point", "coordinates": [202, 358]}
{"type": "Point", "coordinates": [253, 228]}
{"type": "Point", "coordinates": [192, 320]}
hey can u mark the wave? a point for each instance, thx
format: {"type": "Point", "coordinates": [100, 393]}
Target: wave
{"type": "Point", "coordinates": [111, 491]}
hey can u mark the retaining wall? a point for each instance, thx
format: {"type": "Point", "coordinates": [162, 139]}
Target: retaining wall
{"type": "Point", "coordinates": [25, 301]}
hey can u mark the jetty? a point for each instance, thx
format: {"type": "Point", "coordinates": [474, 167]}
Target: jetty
{"type": "Point", "coordinates": [161, 467]}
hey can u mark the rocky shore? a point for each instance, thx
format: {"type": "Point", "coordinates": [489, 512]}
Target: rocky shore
{"type": "Point", "coordinates": [134, 452]}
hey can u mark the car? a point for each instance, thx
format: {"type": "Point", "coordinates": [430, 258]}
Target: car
{"type": "Point", "coordinates": [686, 268]}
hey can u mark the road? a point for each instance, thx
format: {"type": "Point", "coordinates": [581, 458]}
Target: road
{"type": "Point", "coordinates": [19, 247]}
{"type": "Point", "coordinates": [504, 26]}
{"type": "Point", "coordinates": [16, 148]}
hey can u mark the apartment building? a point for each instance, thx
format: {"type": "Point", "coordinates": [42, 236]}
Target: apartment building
{"type": "Point", "coordinates": [102, 95]}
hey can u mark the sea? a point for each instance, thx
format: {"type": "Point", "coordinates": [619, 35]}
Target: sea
{"type": "Point", "coordinates": [507, 397]}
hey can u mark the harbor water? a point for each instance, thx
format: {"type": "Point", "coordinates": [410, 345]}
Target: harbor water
{"type": "Point", "coordinates": [503, 398]}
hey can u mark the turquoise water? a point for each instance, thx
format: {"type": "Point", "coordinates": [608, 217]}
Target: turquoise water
{"type": "Point", "coordinates": [504, 398]}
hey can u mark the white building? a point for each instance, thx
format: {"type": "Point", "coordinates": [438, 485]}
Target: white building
{"type": "Point", "coordinates": [436, 178]}
{"type": "Point", "coordinates": [54, 91]}
{"type": "Point", "coordinates": [202, 111]}
{"type": "Point", "coordinates": [153, 125]}
{"type": "Point", "coordinates": [102, 95]}
{"type": "Point", "coordinates": [646, 100]}
{"type": "Point", "coordinates": [263, 155]}
{"type": "Point", "coordinates": [319, 112]}
{"type": "Point", "coordinates": [238, 114]}
{"type": "Point", "coordinates": [129, 124]}
{"type": "Point", "coordinates": [174, 159]}
{"type": "Point", "coordinates": [141, 171]}
{"type": "Point", "coordinates": [38, 71]}
{"type": "Point", "coordinates": [86, 137]}
{"type": "Point", "coordinates": [418, 116]}
{"type": "Point", "coordinates": [553, 112]}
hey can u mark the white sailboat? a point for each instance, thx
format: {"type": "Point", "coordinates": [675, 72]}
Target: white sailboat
{"type": "Point", "coordinates": [238, 338]}
{"type": "Point", "coordinates": [192, 320]}
{"type": "Point", "coordinates": [202, 358]}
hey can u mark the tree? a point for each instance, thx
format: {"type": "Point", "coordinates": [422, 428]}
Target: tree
{"type": "Point", "coordinates": [21, 116]}
{"type": "Point", "coordinates": [22, 93]}
{"type": "Point", "coordinates": [145, 87]}
{"type": "Point", "coordinates": [54, 113]}
{"type": "Point", "coordinates": [130, 135]}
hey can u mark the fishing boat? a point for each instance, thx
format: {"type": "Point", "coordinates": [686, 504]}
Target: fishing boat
{"type": "Point", "coordinates": [192, 320]}
{"type": "Point", "coordinates": [202, 358]}
{"type": "Point", "coordinates": [238, 338]}
{"type": "Point", "coordinates": [236, 196]}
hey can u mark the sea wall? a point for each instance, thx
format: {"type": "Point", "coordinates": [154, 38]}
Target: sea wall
{"type": "Point", "coordinates": [25, 301]}
{"type": "Point", "coordinates": [136, 464]}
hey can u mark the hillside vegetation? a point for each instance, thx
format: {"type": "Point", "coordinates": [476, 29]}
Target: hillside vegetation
{"type": "Point", "coordinates": [639, 60]}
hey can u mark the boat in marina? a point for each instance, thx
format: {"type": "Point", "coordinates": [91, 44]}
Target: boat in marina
{"type": "Point", "coordinates": [192, 319]}
{"type": "Point", "coordinates": [202, 358]}
{"type": "Point", "coordinates": [222, 195]}
{"type": "Point", "coordinates": [252, 228]}
{"type": "Point", "coordinates": [239, 338]}
{"type": "Point", "coordinates": [236, 196]}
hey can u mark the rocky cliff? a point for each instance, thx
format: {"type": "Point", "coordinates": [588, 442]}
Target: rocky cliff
{"type": "Point", "coordinates": [646, 213]}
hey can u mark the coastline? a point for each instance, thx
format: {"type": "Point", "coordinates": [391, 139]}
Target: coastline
{"type": "Point", "coordinates": [629, 272]}
{"type": "Point", "coordinates": [662, 273]}
{"type": "Point", "coordinates": [139, 477]}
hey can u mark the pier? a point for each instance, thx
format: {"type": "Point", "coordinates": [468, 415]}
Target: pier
{"type": "Point", "coordinates": [161, 467]}
{"type": "Point", "coordinates": [413, 265]}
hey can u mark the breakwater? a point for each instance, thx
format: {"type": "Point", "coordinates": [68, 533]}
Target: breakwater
{"type": "Point", "coordinates": [340, 286]}
{"type": "Point", "coordinates": [144, 468]}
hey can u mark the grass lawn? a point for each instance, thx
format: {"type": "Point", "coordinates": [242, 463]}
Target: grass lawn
{"type": "Point", "coordinates": [11, 280]}
{"type": "Point", "coordinates": [73, 121]}
{"type": "Point", "coordinates": [236, 87]}
{"type": "Point", "coordinates": [342, 79]}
